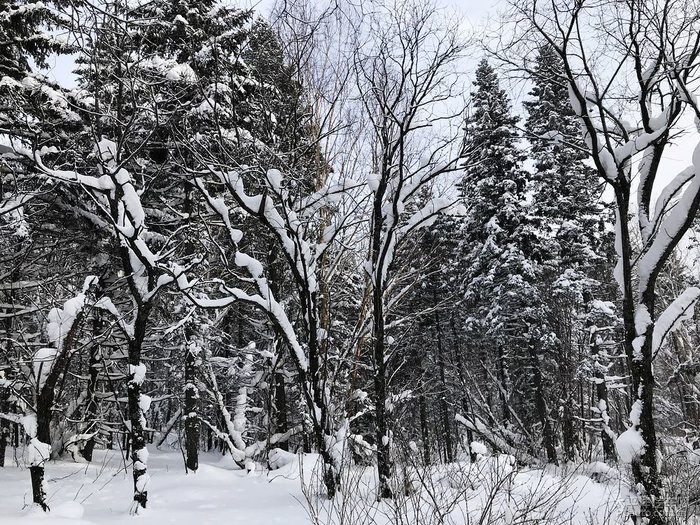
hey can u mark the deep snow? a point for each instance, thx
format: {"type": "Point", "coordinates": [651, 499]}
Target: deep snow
{"type": "Point", "coordinates": [100, 493]}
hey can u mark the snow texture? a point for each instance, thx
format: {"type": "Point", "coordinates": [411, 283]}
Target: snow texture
{"type": "Point", "coordinates": [139, 373]}
{"type": "Point", "coordinates": [479, 448]}
{"type": "Point", "coordinates": [37, 453]}
{"type": "Point", "coordinates": [630, 445]}
{"type": "Point", "coordinates": [181, 72]}
{"type": "Point", "coordinates": [642, 321]}
{"type": "Point", "coordinates": [29, 424]}
{"type": "Point", "coordinates": [42, 363]}
{"type": "Point", "coordinates": [669, 225]}
{"type": "Point", "coordinates": [671, 318]}
{"type": "Point", "coordinates": [61, 319]}
{"type": "Point", "coordinates": [144, 402]}
{"type": "Point", "coordinates": [592, 494]}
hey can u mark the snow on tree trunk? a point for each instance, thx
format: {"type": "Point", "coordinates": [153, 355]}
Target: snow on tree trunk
{"type": "Point", "coordinates": [48, 366]}
{"type": "Point", "coordinates": [138, 405]}
{"type": "Point", "coordinates": [662, 221]}
{"type": "Point", "coordinates": [37, 428]}
{"type": "Point", "coordinates": [191, 407]}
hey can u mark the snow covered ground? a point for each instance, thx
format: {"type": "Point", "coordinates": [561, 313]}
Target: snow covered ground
{"type": "Point", "coordinates": [101, 493]}
{"type": "Point", "coordinates": [491, 491]}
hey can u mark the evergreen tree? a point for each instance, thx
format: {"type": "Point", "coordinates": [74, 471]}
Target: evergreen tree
{"type": "Point", "coordinates": [565, 190]}
{"type": "Point", "coordinates": [566, 219]}
{"type": "Point", "coordinates": [506, 305]}
{"type": "Point", "coordinates": [25, 36]}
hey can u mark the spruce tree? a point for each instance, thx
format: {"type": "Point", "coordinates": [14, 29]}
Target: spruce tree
{"type": "Point", "coordinates": [565, 190]}
{"type": "Point", "coordinates": [25, 36]}
{"type": "Point", "coordinates": [505, 302]}
{"type": "Point", "coordinates": [566, 219]}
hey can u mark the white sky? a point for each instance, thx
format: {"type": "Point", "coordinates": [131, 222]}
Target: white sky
{"type": "Point", "coordinates": [475, 13]}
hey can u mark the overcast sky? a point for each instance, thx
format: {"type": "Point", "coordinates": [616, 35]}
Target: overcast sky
{"type": "Point", "coordinates": [477, 14]}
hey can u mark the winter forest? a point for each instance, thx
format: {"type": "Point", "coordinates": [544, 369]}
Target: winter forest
{"type": "Point", "coordinates": [349, 262]}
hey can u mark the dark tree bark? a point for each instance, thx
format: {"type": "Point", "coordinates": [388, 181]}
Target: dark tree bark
{"type": "Point", "coordinates": [503, 387]}
{"type": "Point", "coordinates": [466, 401]}
{"type": "Point", "coordinates": [191, 410]}
{"type": "Point", "coordinates": [424, 428]}
{"type": "Point", "coordinates": [384, 463]}
{"type": "Point", "coordinates": [43, 434]}
{"type": "Point", "coordinates": [444, 407]}
{"type": "Point", "coordinates": [137, 435]}
{"type": "Point", "coordinates": [280, 407]}
{"type": "Point", "coordinates": [92, 404]}
{"type": "Point", "coordinates": [4, 426]}
{"type": "Point", "coordinates": [601, 392]}
{"type": "Point", "coordinates": [548, 439]}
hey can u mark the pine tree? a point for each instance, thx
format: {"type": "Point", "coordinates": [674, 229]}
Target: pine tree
{"type": "Point", "coordinates": [507, 308]}
{"type": "Point", "coordinates": [25, 36]}
{"type": "Point", "coordinates": [565, 218]}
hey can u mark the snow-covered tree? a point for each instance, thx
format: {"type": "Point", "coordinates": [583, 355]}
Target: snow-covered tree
{"type": "Point", "coordinates": [629, 112]}
{"type": "Point", "coordinates": [400, 98]}
{"type": "Point", "coordinates": [568, 234]}
{"type": "Point", "coordinates": [506, 308]}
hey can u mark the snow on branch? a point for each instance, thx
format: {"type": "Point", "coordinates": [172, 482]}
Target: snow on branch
{"type": "Point", "coordinates": [8, 205]}
{"type": "Point", "coordinates": [330, 194]}
{"type": "Point", "coordinates": [106, 304]}
{"type": "Point", "coordinates": [637, 144]}
{"type": "Point", "coordinates": [429, 213]}
{"type": "Point", "coordinates": [61, 320]}
{"type": "Point", "coordinates": [101, 184]}
{"type": "Point", "coordinates": [670, 191]}
{"type": "Point", "coordinates": [673, 224]}
{"type": "Point", "coordinates": [285, 225]}
{"type": "Point", "coordinates": [277, 315]}
{"type": "Point", "coordinates": [671, 318]}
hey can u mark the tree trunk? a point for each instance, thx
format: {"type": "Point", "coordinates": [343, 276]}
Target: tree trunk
{"type": "Point", "coordinates": [445, 409]}
{"type": "Point", "coordinates": [570, 440]}
{"type": "Point", "coordinates": [191, 409]}
{"type": "Point", "coordinates": [4, 425]}
{"type": "Point", "coordinates": [466, 401]}
{"type": "Point", "coordinates": [43, 435]}
{"type": "Point", "coordinates": [384, 465]}
{"type": "Point", "coordinates": [503, 379]}
{"type": "Point", "coordinates": [645, 469]}
{"type": "Point", "coordinates": [281, 423]}
{"type": "Point", "coordinates": [93, 374]}
{"type": "Point", "coordinates": [568, 432]}
{"type": "Point", "coordinates": [137, 419]}
{"type": "Point", "coordinates": [4, 434]}
{"type": "Point", "coordinates": [541, 404]}
{"type": "Point", "coordinates": [424, 429]}
{"type": "Point", "coordinates": [609, 452]}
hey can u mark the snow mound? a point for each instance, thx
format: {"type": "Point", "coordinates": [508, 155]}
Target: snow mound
{"type": "Point", "coordinates": [602, 472]}
{"type": "Point", "coordinates": [479, 448]}
{"type": "Point", "coordinates": [630, 445]}
{"type": "Point", "coordinates": [278, 458]}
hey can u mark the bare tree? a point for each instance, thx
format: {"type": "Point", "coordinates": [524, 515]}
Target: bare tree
{"type": "Point", "coordinates": [405, 73]}
{"type": "Point", "coordinates": [630, 68]}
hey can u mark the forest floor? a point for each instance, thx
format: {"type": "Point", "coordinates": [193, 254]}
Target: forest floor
{"type": "Point", "coordinates": [490, 491]}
